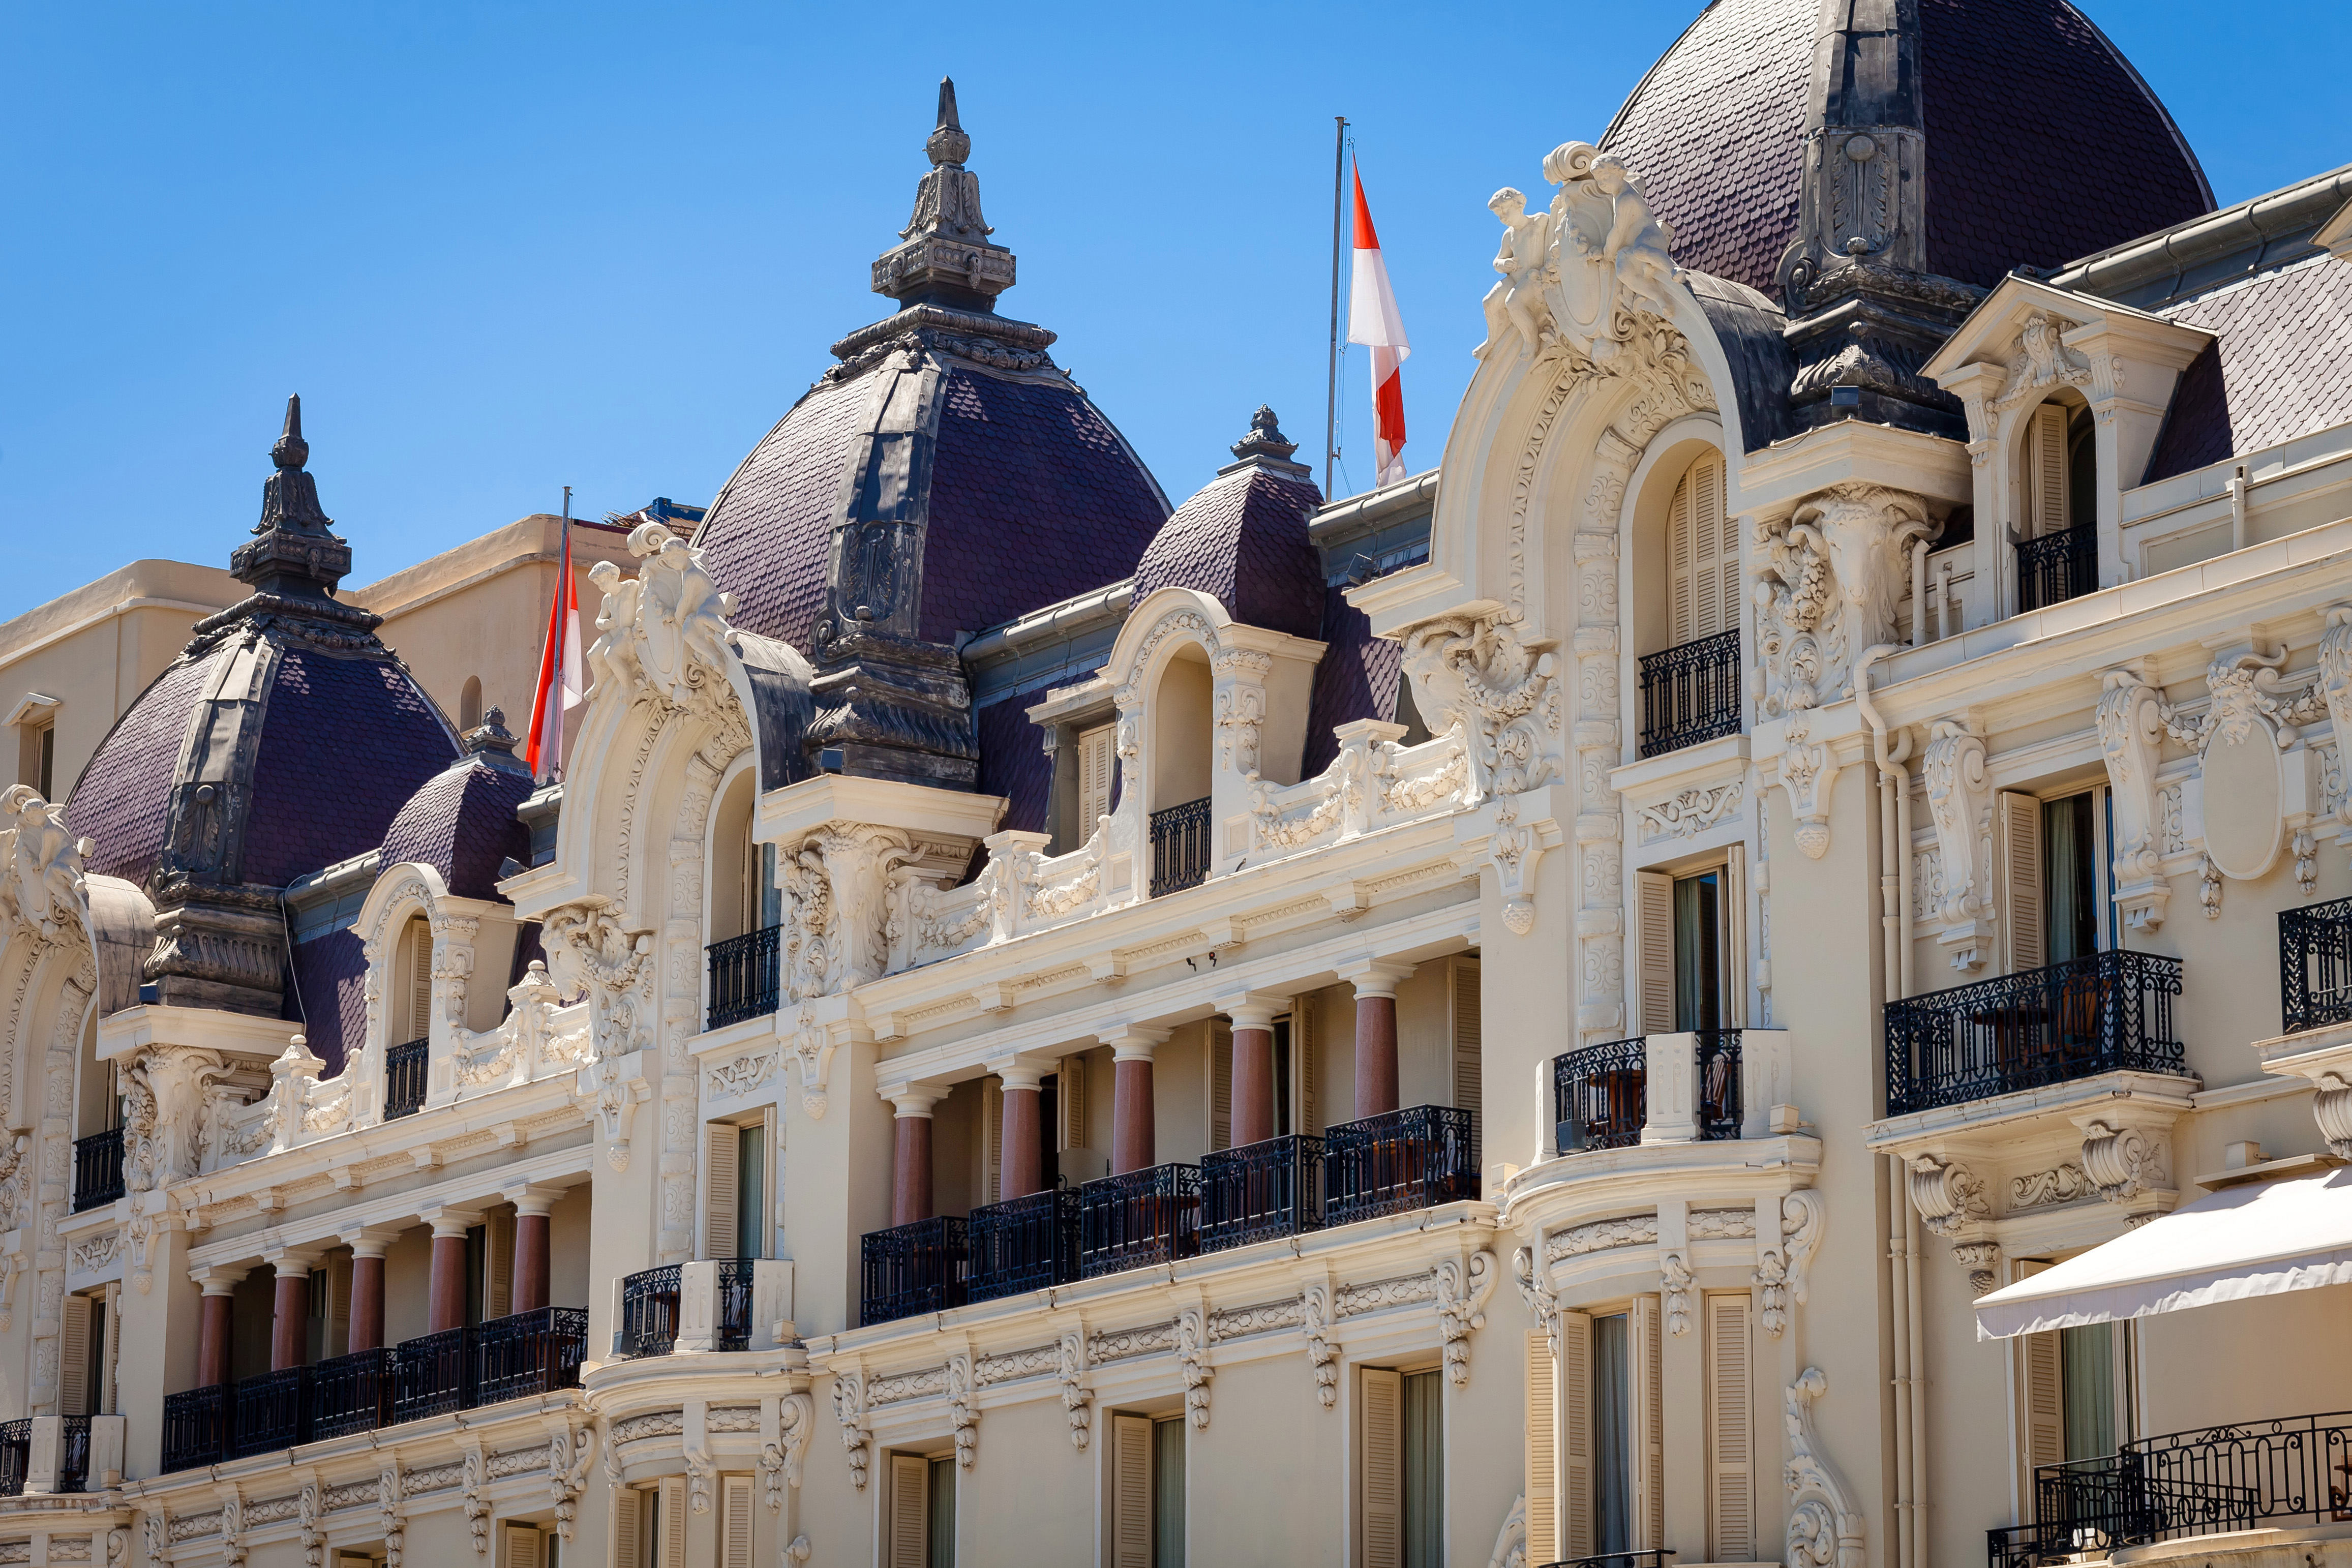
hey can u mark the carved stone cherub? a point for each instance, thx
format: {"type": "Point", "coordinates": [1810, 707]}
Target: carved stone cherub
{"type": "Point", "coordinates": [1638, 248]}
{"type": "Point", "coordinates": [2043, 360]}
{"type": "Point", "coordinates": [1522, 261]}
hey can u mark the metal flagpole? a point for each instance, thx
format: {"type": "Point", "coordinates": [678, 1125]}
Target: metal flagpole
{"type": "Point", "coordinates": [1331, 377]}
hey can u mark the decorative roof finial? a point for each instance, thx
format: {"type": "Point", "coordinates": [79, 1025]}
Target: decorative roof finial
{"type": "Point", "coordinates": [289, 498]}
{"type": "Point", "coordinates": [1266, 447]}
{"type": "Point", "coordinates": [947, 144]}
{"type": "Point", "coordinates": [291, 451]}
{"type": "Point", "coordinates": [294, 549]}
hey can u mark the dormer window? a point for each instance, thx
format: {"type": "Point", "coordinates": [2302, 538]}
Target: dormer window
{"type": "Point", "coordinates": [413, 1000]}
{"type": "Point", "coordinates": [1687, 593]}
{"type": "Point", "coordinates": [2058, 539]}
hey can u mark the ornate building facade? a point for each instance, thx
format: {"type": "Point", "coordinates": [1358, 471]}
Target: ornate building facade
{"type": "Point", "coordinates": [984, 1056]}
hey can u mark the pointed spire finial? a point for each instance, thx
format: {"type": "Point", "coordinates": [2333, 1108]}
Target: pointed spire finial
{"type": "Point", "coordinates": [291, 451]}
{"type": "Point", "coordinates": [947, 144]}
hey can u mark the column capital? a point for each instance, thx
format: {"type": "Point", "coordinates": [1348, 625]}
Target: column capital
{"type": "Point", "coordinates": [215, 1280]}
{"type": "Point", "coordinates": [291, 1259]}
{"type": "Point", "coordinates": [531, 1197]}
{"type": "Point", "coordinates": [448, 1219]}
{"type": "Point", "coordinates": [1253, 1009]}
{"type": "Point", "coordinates": [1374, 976]}
{"type": "Point", "coordinates": [1131, 1042]}
{"type": "Point", "coordinates": [916, 1099]}
{"type": "Point", "coordinates": [369, 1240]}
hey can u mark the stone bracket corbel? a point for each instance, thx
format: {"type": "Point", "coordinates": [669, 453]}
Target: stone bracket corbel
{"type": "Point", "coordinates": [1509, 834]}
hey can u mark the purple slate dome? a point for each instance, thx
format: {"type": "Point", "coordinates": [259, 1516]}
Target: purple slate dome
{"type": "Point", "coordinates": [1243, 540]}
{"type": "Point", "coordinates": [286, 737]}
{"type": "Point", "coordinates": [2041, 143]}
{"type": "Point", "coordinates": [946, 476]}
{"type": "Point", "coordinates": [462, 822]}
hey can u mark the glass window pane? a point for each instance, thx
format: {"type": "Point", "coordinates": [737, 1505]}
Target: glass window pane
{"type": "Point", "coordinates": [2088, 1356]}
{"type": "Point", "coordinates": [1612, 1435]}
{"type": "Point", "coordinates": [1168, 1493]}
{"type": "Point", "coordinates": [1698, 958]}
{"type": "Point", "coordinates": [942, 1520]}
{"type": "Point", "coordinates": [751, 1193]}
{"type": "Point", "coordinates": [1424, 1472]}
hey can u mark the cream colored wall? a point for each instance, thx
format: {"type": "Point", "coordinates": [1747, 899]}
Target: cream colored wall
{"type": "Point", "coordinates": [2302, 1365]}
{"type": "Point", "coordinates": [959, 1149]}
{"type": "Point", "coordinates": [1026, 1499]}
{"type": "Point", "coordinates": [571, 1277]}
{"type": "Point", "coordinates": [408, 1285]}
{"type": "Point", "coordinates": [1180, 1095]}
{"type": "Point", "coordinates": [1425, 1038]}
{"type": "Point", "coordinates": [1266, 1482]}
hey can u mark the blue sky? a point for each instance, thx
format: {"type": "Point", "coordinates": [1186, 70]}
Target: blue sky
{"type": "Point", "coordinates": [503, 249]}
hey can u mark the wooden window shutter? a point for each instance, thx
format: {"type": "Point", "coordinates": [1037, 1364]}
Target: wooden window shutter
{"type": "Point", "coordinates": [2021, 903]}
{"type": "Point", "coordinates": [1649, 1421]}
{"type": "Point", "coordinates": [497, 1273]}
{"type": "Point", "coordinates": [2046, 467]}
{"type": "Point", "coordinates": [673, 1522]}
{"type": "Point", "coordinates": [1306, 1067]}
{"type": "Point", "coordinates": [1731, 1435]}
{"type": "Point", "coordinates": [1095, 761]}
{"type": "Point", "coordinates": [1221, 1084]}
{"type": "Point", "coordinates": [1543, 1452]}
{"type": "Point", "coordinates": [420, 979]}
{"type": "Point", "coordinates": [1682, 556]}
{"type": "Point", "coordinates": [110, 1338]}
{"type": "Point", "coordinates": [722, 1154]}
{"type": "Point", "coordinates": [1703, 554]}
{"type": "Point", "coordinates": [1383, 1468]}
{"type": "Point", "coordinates": [628, 1525]}
{"type": "Point", "coordinates": [735, 1522]}
{"type": "Point", "coordinates": [2042, 1398]}
{"type": "Point", "coordinates": [1130, 1491]}
{"type": "Point", "coordinates": [1576, 1432]}
{"type": "Point", "coordinates": [73, 1358]}
{"type": "Point", "coordinates": [1735, 937]}
{"type": "Point", "coordinates": [1654, 944]}
{"type": "Point", "coordinates": [521, 1545]}
{"type": "Point", "coordinates": [911, 1511]}
{"type": "Point", "coordinates": [1469, 1051]}
{"type": "Point", "coordinates": [991, 1139]}
{"type": "Point", "coordinates": [1070, 1102]}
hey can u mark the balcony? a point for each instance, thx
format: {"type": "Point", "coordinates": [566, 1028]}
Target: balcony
{"type": "Point", "coordinates": [1022, 1244]}
{"type": "Point", "coordinates": [910, 1269]}
{"type": "Point", "coordinates": [1413, 1159]}
{"type": "Point", "coordinates": [1139, 1218]}
{"type": "Point", "coordinates": [406, 1071]}
{"type": "Point", "coordinates": [2316, 966]}
{"type": "Point", "coordinates": [1260, 1192]}
{"type": "Point", "coordinates": [1600, 1098]}
{"type": "Point", "coordinates": [267, 1412]}
{"type": "Point", "coordinates": [1180, 847]}
{"type": "Point", "coordinates": [97, 1169]}
{"type": "Point", "coordinates": [2057, 567]}
{"type": "Point", "coordinates": [743, 975]}
{"type": "Point", "coordinates": [648, 1321]}
{"type": "Point", "coordinates": [349, 1393]}
{"type": "Point", "coordinates": [1690, 694]}
{"type": "Point", "coordinates": [195, 1427]}
{"type": "Point", "coordinates": [16, 1456]}
{"type": "Point", "coordinates": [2104, 1012]}
{"type": "Point", "coordinates": [528, 1354]}
{"type": "Point", "coordinates": [2268, 1474]}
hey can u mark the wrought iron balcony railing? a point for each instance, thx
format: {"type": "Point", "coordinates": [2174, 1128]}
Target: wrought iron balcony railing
{"type": "Point", "coordinates": [1655, 1558]}
{"type": "Point", "coordinates": [648, 1313]}
{"type": "Point", "coordinates": [2292, 1472]}
{"type": "Point", "coordinates": [1180, 847]}
{"type": "Point", "coordinates": [910, 1269]}
{"type": "Point", "coordinates": [2316, 966]}
{"type": "Point", "coordinates": [1716, 1052]}
{"type": "Point", "coordinates": [1138, 1218]}
{"type": "Point", "coordinates": [268, 1410]}
{"type": "Point", "coordinates": [731, 1314]}
{"type": "Point", "coordinates": [97, 1169]}
{"type": "Point", "coordinates": [2057, 567]}
{"type": "Point", "coordinates": [1023, 1244]}
{"type": "Point", "coordinates": [528, 1354]}
{"type": "Point", "coordinates": [406, 1069]}
{"type": "Point", "coordinates": [1412, 1159]}
{"type": "Point", "coordinates": [743, 972]}
{"type": "Point", "coordinates": [1599, 1095]}
{"type": "Point", "coordinates": [73, 1454]}
{"type": "Point", "coordinates": [350, 1393]}
{"type": "Point", "coordinates": [16, 1456]}
{"type": "Point", "coordinates": [428, 1374]}
{"type": "Point", "coordinates": [195, 1427]}
{"type": "Point", "coordinates": [1690, 693]}
{"type": "Point", "coordinates": [2104, 1012]}
{"type": "Point", "coordinates": [1261, 1191]}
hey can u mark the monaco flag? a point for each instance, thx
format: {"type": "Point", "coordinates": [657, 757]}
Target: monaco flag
{"type": "Point", "coordinates": [559, 675]}
{"type": "Point", "coordinates": [1372, 320]}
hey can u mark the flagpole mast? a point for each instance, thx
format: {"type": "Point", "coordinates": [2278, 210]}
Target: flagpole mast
{"type": "Point", "coordinates": [1331, 377]}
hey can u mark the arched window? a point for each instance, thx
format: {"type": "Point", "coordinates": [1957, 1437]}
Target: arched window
{"type": "Point", "coordinates": [1702, 554]}
{"type": "Point", "coordinates": [469, 705]}
{"type": "Point", "coordinates": [2057, 509]}
{"type": "Point", "coordinates": [1687, 598]}
{"type": "Point", "coordinates": [1182, 747]}
{"type": "Point", "coordinates": [412, 983]}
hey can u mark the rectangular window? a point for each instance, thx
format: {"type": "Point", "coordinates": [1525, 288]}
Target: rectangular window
{"type": "Point", "coordinates": [723, 1177]}
{"type": "Point", "coordinates": [751, 1190]}
{"type": "Point", "coordinates": [941, 1553]}
{"type": "Point", "coordinates": [1730, 1427]}
{"type": "Point", "coordinates": [2070, 877]}
{"type": "Point", "coordinates": [1133, 1484]}
{"type": "Point", "coordinates": [521, 1544]}
{"type": "Point", "coordinates": [48, 761]}
{"type": "Point", "coordinates": [922, 1512]}
{"type": "Point", "coordinates": [1168, 1492]}
{"type": "Point", "coordinates": [2086, 1359]}
{"type": "Point", "coordinates": [1403, 1469]}
{"type": "Point", "coordinates": [1613, 1434]}
{"type": "Point", "coordinates": [1424, 1470]}
{"type": "Point", "coordinates": [1698, 952]}
{"type": "Point", "coordinates": [1095, 761]}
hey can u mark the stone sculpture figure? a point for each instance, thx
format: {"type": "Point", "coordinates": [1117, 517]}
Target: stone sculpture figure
{"type": "Point", "coordinates": [1639, 249]}
{"type": "Point", "coordinates": [1523, 261]}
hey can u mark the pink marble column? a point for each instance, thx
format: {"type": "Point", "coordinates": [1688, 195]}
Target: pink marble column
{"type": "Point", "coordinates": [1023, 1138]}
{"type": "Point", "coordinates": [1133, 1136]}
{"type": "Point", "coordinates": [910, 1155]}
{"type": "Point", "coordinates": [1252, 1108]}
{"type": "Point", "coordinates": [288, 1328]}
{"type": "Point", "coordinates": [1375, 1034]}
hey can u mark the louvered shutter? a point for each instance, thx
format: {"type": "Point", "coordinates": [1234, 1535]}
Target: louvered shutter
{"type": "Point", "coordinates": [911, 1511]}
{"type": "Point", "coordinates": [735, 1522]}
{"type": "Point", "coordinates": [1306, 1067]}
{"type": "Point", "coordinates": [1469, 1055]}
{"type": "Point", "coordinates": [2021, 902]}
{"type": "Point", "coordinates": [1383, 1471]}
{"type": "Point", "coordinates": [628, 1524]}
{"type": "Point", "coordinates": [673, 1522]}
{"type": "Point", "coordinates": [1221, 1085]}
{"type": "Point", "coordinates": [2041, 1397]}
{"type": "Point", "coordinates": [1649, 1392]}
{"type": "Point", "coordinates": [521, 1545]}
{"type": "Point", "coordinates": [2046, 467]}
{"type": "Point", "coordinates": [1543, 1452]}
{"type": "Point", "coordinates": [109, 1334]}
{"type": "Point", "coordinates": [1130, 1491]}
{"type": "Point", "coordinates": [420, 979]}
{"type": "Point", "coordinates": [1655, 954]}
{"type": "Point", "coordinates": [1070, 1102]}
{"type": "Point", "coordinates": [722, 1154]}
{"type": "Point", "coordinates": [1576, 1432]}
{"type": "Point", "coordinates": [991, 1141]}
{"type": "Point", "coordinates": [1731, 1437]}
{"type": "Point", "coordinates": [1735, 937]}
{"type": "Point", "coordinates": [1703, 555]}
{"type": "Point", "coordinates": [1094, 760]}
{"type": "Point", "coordinates": [497, 1283]}
{"type": "Point", "coordinates": [73, 1358]}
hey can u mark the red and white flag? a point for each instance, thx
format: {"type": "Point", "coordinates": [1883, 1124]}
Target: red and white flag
{"type": "Point", "coordinates": [559, 676]}
{"type": "Point", "coordinates": [1372, 320]}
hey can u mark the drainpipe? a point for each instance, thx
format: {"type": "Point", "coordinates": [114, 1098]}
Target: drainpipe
{"type": "Point", "coordinates": [1894, 826]}
{"type": "Point", "coordinates": [2239, 527]}
{"type": "Point", "coordinates": [1919, 593]}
